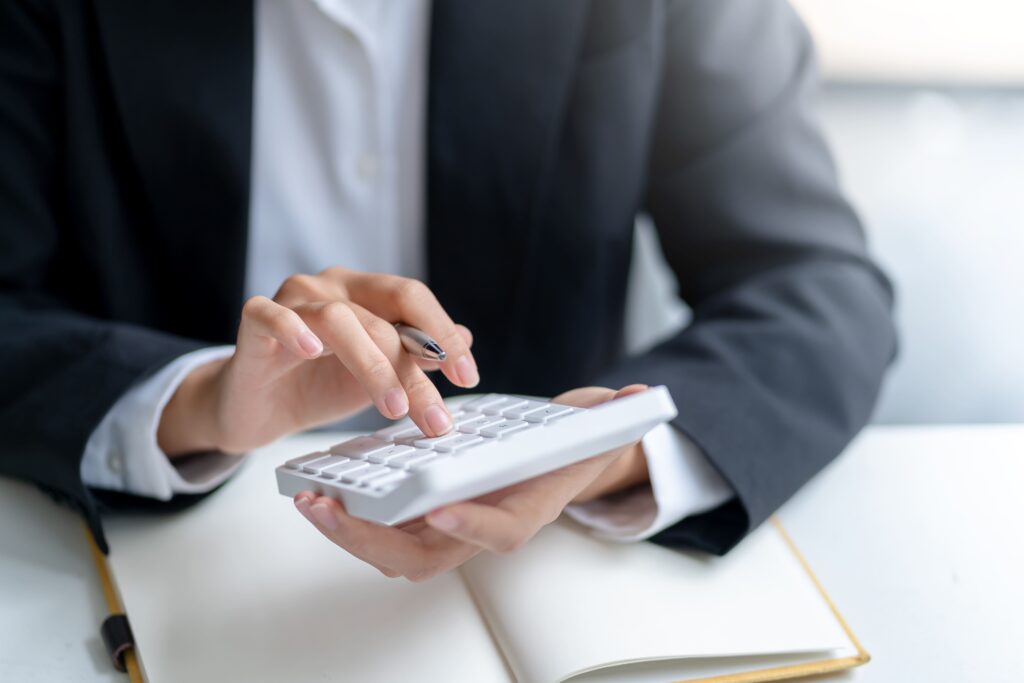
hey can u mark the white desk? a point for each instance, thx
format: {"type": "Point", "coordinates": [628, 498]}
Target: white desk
{"type": "Point", "coordinates": [914, 532]}
{"type": "Point", "coordinates": [51, 602]}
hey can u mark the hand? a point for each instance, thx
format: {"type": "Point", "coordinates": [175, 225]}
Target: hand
{"type": "Point", "coordinates": [324, 348]}
{"type": "Point", "coordinates": [501, 521]}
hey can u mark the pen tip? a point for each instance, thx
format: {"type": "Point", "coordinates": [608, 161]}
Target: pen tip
{"type": "Point", "coordinates": [434, 352]}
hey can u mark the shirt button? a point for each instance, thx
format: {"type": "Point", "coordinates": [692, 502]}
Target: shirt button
{"type": "Point", "coordinates": [114, 463]}
{"type": "Point", "coordinates": [366, 167]}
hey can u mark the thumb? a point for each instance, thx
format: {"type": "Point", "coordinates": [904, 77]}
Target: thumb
{"type": "Point", "coordinates": [630, 390]}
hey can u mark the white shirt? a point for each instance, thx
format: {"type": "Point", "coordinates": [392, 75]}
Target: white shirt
{"type": "Point", "coordinates": [338, 178]}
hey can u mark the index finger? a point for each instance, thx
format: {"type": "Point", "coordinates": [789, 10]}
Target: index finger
{"type": "Point", "coordinates": [399, 299]}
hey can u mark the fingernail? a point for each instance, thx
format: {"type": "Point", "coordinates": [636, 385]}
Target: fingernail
{"type": "Point", "coordinates": [465, 369]}
{"type": "Point", "coordinates": [396, 402]}
{"type": "Point", "coordinates": [444, 520]}
{"type": "Point", "coordinates": [310, 344]}
{"type": "Point", "coordinates": [302, 505]}
{"type": "Point", "coordinates": [437, 419]}
{"type": "Point", "coordinates": [325, 516]}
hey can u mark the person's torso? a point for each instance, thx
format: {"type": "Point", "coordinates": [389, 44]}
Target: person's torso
{"type": "Point", "coordinates": [536, 129]}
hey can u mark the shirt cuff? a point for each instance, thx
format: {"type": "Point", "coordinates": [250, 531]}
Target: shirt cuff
{"type": "Point", "coordinates": [682, 483]}
{"type": "Point", "coordinates": [122, 452]}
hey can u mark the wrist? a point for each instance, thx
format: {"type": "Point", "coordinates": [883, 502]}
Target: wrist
{"type": "Point", "coordinates": [631, 469]}
{"type": "Point", "coordinates": [188, 423]}
{"type": "Point", "coordinates": [626, 471]}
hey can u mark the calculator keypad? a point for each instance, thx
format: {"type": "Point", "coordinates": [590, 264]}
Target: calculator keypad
{"type": "Point", "coordinates": [381, 461]}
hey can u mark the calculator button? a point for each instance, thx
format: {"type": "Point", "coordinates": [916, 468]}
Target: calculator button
{"type": "Point", "coordinates": [360, 447]}
{"type": "Point", "coordinates": [462, 418]}
{"type": "Point", "coordinates": [340, 469]}
{"type": "Point", "coordinates": [507, 404]}
{"type": "Point", "coordinates": [411, 438]}
{"type": "Point", "coordinates": [502, 428]}
{"type": "Point", "coordinates": [550, 413]}
{"type": "Point", "coordinates": [435, 441]}
{"type": "Point", "coordinates": [297, 463]}
{"type": "Point", "coordinates": [397, 430]}
{"type": "Point", "coordinates": [421, 440]}
{"type": "Point", "coordinates": [318, 466]}
{"type": "Point", "coordinates": [458, 443]}
{"type": "Point", "coordinates": [483, 421]}
{"type": "Point", "coordinates": [410, 459]}
{"type": "Point", "coordinates": [429, 462]}
{"type": "Point", "coordinates": [518, 412]}
{"type": "Point", "coordinates": [364, 475]}
{"type": "Point", "coordinates": [393, 452]}
{"type": "Point", "coordinates": [478, 404]}
{"type": "Point", "coordinates": [389, 479]}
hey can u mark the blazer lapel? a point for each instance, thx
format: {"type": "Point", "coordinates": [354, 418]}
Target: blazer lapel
{"type": "Point", "coordinates": [181, 76]}
{"type": "Point", "coordinates": [500, 74]}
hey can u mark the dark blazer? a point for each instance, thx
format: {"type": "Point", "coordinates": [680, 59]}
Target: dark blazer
{"type": "Point", "coordinates": [124, 175]}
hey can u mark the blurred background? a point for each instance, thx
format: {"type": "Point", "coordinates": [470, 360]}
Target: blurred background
{"type": "Point", "coordinates": [923, 105]}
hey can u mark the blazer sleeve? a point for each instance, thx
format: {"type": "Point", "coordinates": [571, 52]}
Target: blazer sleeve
{"type": "Point", "coordinates": [60, 370]}
{"type": "Point", "coordinates": [792, 322]}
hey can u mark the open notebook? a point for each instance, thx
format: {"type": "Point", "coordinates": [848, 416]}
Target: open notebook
{"type": "Point", "coordinates": [240, 587]}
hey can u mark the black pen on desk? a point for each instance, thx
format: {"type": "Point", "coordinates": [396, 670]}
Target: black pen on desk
{"type": "Point", "coordinates": [419, 343]}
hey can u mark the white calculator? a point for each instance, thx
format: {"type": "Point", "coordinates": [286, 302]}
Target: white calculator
{"type": "Point", "coordinates": [398, 473]}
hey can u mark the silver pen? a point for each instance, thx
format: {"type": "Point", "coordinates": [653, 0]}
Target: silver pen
{"type": "Point", "coordinates": [418, 343]}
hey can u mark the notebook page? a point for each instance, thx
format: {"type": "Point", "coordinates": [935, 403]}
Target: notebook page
{"type": "Point", "coordinates": [241, 588]}
{"type": "Point", "coordinates": [697, 668]}
{"type": "Point", "coordinates": [567, 603]}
